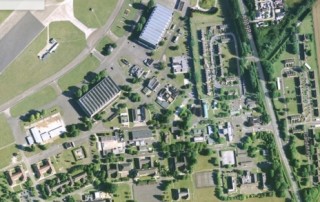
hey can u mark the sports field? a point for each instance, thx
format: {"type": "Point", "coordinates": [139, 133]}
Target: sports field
{"type": "Point", "coordinates": [27, 70]}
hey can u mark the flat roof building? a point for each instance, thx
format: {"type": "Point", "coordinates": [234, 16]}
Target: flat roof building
{"type": "Point", "coordinates": [99, 97]}
{"type": "Point", "coordinates": [180, 65]}
{"type": "Point", "coordinates": [156, 26]}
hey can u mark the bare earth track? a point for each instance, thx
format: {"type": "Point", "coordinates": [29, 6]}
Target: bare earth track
{"type": "Point", "coordinates": [316, 26]}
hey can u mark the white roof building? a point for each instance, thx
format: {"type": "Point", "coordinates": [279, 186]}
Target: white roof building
{"type": "Point", "coordinates": [156, 26]}
{"type": "Point", "coordinates": [180, 65]}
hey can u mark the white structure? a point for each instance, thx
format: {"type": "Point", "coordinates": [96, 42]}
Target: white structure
{"type": "Point", "coordinates": [180, 65]}
{"type": "Point", "coordinates": [50, 48]}
{"type": "Point", "coordinates": [228, 158]}
{"type": "Point", "coordinates": [156, 26]}
{"type": "Point", "coordinates": [112, 144]}
{"type": "Point", "coordinates": [278, 83]}
{"type": "Point", "coordinates": [46, 129]}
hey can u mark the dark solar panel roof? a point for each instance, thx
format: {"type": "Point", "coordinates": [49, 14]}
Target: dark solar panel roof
{"type": "Point", "coordinates": [156, 25]}
{"type": "Point", "coordinates": [99, 96]}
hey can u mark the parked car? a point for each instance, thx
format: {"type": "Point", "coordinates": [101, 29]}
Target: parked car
{"type": "Point", "coordinates": [68, 145]}
{"type": "Point", "coordinates": [124, 61]}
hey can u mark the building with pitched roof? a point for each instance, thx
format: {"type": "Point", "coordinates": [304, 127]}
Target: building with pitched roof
{"type": "Point", "coordinates": [99, 97]}
{"type": "Point", "coordinates": [156, 26]}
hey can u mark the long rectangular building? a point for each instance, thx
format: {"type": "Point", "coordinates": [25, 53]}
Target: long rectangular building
{"type": "Point", "coordinates": [100, 96]}
{"type": "Point", "coordinates": [156, 26]}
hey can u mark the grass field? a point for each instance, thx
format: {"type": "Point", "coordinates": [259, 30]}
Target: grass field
{"type": "Point", "coordinates": [126, 16]}
{"type": "Point", "coordinates": [203, 163]}
{"type": "Point", "coordinates": [97, 16]}
{"type": "Point", "coordinates": [72, 42]}
{"type": "Point", "coordinates": [123, 193]}
{"type": "Point", "coordinates": [75, 76]}
{"type": "Point", "coordinates": [6, 155]}
{"type": "Point", "coordinates": [34, 101]}
{"type": "Point", "coordinates": [5, 132]}
{"type": "Point", "coordinates": [291, 94]}
{"type": "Point", "coordinates": [206, 4]}
{"type": "Point", "coordinates": [4, 15]}
{"type": "Point", "coordinates": [105, 40]}
{"type": "Point", "coordinates": [291, 3]}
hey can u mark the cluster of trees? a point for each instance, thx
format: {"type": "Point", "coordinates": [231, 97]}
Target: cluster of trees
{"type": "Point", "coordinates": [160, 119]}
{"type": "Point", "coordinates": [270, 39]}
{"type": "Point", "coordinates": [33, 116]}
{"type": "Point", "coordinates": [143, 19]}
{"type": "Point", "coordinates": [275, 174]}
{"type": "Point", "coordinates": [185, 115]}
{"type": "Point", "coordinates": [86, 87]}
{"type": "Point", "coordinates": [310, 194]}
{"type": "Point", "coordinates": [134, 97]}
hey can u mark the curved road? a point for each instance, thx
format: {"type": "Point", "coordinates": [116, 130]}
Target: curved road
{"type": "Point", "coordinates": [91, 41]}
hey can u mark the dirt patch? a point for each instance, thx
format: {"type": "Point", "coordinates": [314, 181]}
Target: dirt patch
{"type": "Point", "coordinates": [316, 25]}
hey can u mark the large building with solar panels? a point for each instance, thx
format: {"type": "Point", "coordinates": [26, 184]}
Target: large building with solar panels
{"type": "Point", "coordinates": [156, 26]}
{"type": "Point", "coordinates": [100, 96]}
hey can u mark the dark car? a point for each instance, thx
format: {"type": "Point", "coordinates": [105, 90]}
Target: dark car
{"type": "Point", "coordinates": [124, 61]}
{"type": "Point", "coordinates": [68, 145]}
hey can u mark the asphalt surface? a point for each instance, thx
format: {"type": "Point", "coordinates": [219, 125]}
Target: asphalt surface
{"type": "Point", "coordinates": [269, 108]}
{"type": "Point", "coordinates": [18, 38]}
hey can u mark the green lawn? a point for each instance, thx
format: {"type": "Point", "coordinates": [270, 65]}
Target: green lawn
{"type": "Point", "coordinates": [105, 40]}
{"type": "Point", "coordinates": [203, 163]}
{"type": "Point", "coordinates": [5, 132]}
{"type": "Point", "coordinates": [99, 14]}
{"type": "Point", "coordinates": [4, 15]}
{"type": "Point", "coordinates": [291, 3]}
{"type": "Point", "coordinates": [290, 93]}
{"type": "Point", "coordinates": [123, 193]}
{"type": "Point", "coordinates": [127, 12]}
{"type": "Point", "coordinates": [206, 4]}
{"type": "Point", "coordinates": [34, 101]}
{"type": "Point", "coordinates": [75, 76]}
{"type": "Point", "coordinates": [27, 70]}
{"type": "Point", "coordinates": [6, 155]}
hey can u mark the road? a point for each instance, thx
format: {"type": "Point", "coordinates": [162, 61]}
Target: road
{"type": "Point", "coordinates": [91, 41]}
{"type": "Point", "coordinates": [269, 108]}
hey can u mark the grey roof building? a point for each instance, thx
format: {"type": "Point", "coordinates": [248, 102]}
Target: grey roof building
{"type": "Point", "coordinates": [99, 97]}
{"type": "Point", "coordinates": [156, 26]}
{"type": "Point", "coordinates": [141, 134]}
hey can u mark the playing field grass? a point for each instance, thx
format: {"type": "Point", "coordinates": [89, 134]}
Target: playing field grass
{"type": "Point", "coordinates": [105, 40]}
{"type": "Point", "coordinates": [34, 101]}
{"type": "Point", "coordinates": [126, 16]}
{"type": "Point", "coordinates": [93, 13]}
{"type": "Point", "coordinates": [5, 132]}
{"type": "Point", "coordinates": [4, 15]}
{"type": "Point", "coordinates": [27, 70]}
{"type": "Point", "coordinates": [75, 76]}
{"type": "Point", "coordinates": [6, 155]}
{"type": "Point", "coordinates": [203, 163]}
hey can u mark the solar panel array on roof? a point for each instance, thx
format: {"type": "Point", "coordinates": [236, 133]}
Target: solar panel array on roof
{"type": "Point", "coordinates": [99, 96]}
{"type": "Point", "coordinates": [156, 25]}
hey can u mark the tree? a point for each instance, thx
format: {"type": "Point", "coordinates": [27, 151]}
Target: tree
{"type": "Point", "coordinates": [78, 93]}
{"type": "Point", "coordinates": [150, 4]}
{"type": "Point", "coordinates": [70, 199]}
{"type": "Point", "coordinates": [161, 65]}
{"type": "Point", "coordinates": [176, 47]}
{"type": "Point", "coordinates": [143, 20]}
{"type": "Point", "coordinates": [42, 146]}
{"type": "Point", "coordinates": [161, 43]}
{"type": "Point", "coordinates": [103, 73]}
{"type": "Point", "coordinates": [84, 88]}
{"type": "Point", "coordinates": [139, 27]}
{"type": "Point", "coordinates": [37, 116]}
{"type": "Point", "coordinates": [43, 113]}
{"type": "Point", "coordinates": [31, 118]}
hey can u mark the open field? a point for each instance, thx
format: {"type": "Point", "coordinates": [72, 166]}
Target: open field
{"type": "Point", "coordinates": [290, 93]}
{"type": "Point", "coordinates": [5, 132]}
{"type": "Point", "coordinates": [123, 193]}
{"type": "Point", "coordinates": [291, 3]}
{"type": "Point", "coordinates": [206, 4]}
{"type": "Point", "coordinates": [6, 155]}
{"type": "Point", "coordinates": [93, 13]}
{"type": "Point", "coordinates": [4, 15]}
{"type": "Point", "coordinates": [203, 163]}
{"type": "Point", "coordinates": [316, 26]}
{"type": "Point", "coordinates": [72, 42]}
{"type": "Point", "coordinates": [34, 101]}
{"type": "Point", "coordinates": [75, 76]}
{"type": "Point", "coordinates": [125, 19]}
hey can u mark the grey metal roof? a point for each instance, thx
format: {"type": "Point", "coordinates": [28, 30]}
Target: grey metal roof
{"type": "Point", "coordinates": [141, 134]}
{"type": "Point", "coordinates": [157, 24]}
{"type": "Point", "coordinates": [99, 96]}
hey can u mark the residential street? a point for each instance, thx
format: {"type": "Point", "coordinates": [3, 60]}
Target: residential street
{"type": "Point", "coordinates": [269, 108]}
